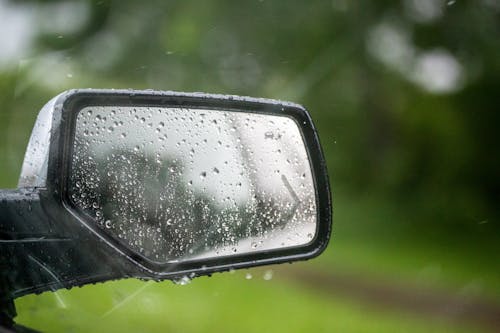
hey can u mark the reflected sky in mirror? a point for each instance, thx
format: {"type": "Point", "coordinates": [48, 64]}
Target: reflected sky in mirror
{"type": "Point", "coordinates": [178, 184]}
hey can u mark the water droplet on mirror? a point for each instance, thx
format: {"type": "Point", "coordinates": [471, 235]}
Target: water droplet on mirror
{"type": "Point", "coordinates": [183, 281]}
{"type": "Point", "coordinates": [203, 175]}
{"type": "Point", "coordinates": [215, 170]}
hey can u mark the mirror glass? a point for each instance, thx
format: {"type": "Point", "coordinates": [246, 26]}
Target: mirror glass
{"type": "Point", "coordinates": [181, 184]}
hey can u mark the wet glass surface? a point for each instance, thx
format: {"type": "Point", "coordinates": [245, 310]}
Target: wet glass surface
{"type": "Point", "coordinates": [178, 184]}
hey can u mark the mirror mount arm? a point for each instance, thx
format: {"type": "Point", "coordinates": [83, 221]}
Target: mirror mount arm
{"type": "Point", "coordinates": [7, 307]}
{"type": "Point", "coordinates": [25, 229]}
{"type": "Point", "coordinates": [39, 253]}
{"type": "Point", "coordinates": [16, 217]}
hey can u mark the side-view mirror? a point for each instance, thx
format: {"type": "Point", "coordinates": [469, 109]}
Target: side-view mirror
{"type": "Point", "coordinates": [162, 185]}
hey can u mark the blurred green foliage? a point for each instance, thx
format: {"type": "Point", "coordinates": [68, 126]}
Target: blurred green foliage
{"type": "Point", "coordinates": [404, 95]}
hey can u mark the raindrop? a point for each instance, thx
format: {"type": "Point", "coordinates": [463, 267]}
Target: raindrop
{"type": "Point", "coordinates": [215, 170]}
{"type": "Point", "coordinates": [183, 281]}
{"type": "Point", "coordinates": [268, 275]}
{"type": "Point", "coordinates": [248, 276]}
{"type": "Point", "coordinates": [203, 175]}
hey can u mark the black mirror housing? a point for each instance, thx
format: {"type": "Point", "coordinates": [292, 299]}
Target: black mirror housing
{"type": "Point", "coordinates": [47, 242]}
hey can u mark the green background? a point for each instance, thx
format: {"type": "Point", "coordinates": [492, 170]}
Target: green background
{"type": "Point", "coordinates": [405, 98]}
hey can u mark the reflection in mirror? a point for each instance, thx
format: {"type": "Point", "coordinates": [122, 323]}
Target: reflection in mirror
{"type": "Point", "coordinates": [179, 184]}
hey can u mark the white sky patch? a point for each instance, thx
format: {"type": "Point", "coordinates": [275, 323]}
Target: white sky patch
{"type": "Point", "coordinates": [436, 71]}
{"type": "Point", "coordinates": [63, 18]}
{"type": "Point", "coordinates": [391, 45]}
{"type": "Point", "coordinates": [16, 32]}
{"type": "Point", "coordinates": [424, 11]}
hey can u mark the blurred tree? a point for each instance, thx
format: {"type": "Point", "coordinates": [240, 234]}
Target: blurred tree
{"type": "Point", "coordinates": [404, 92]}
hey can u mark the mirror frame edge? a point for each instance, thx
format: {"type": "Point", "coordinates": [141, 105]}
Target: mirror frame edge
{"type": "Point", "coordinates": [65, 112]}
